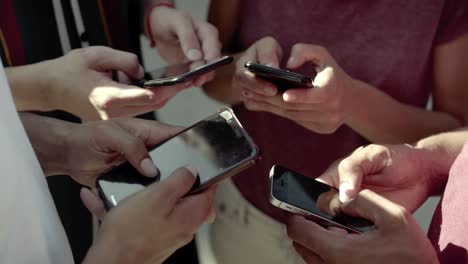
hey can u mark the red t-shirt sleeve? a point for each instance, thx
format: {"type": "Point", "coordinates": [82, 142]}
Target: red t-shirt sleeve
{"type": "Point", "coordinates": [454, 21]}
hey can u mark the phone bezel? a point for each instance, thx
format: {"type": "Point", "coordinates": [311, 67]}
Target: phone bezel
{"type": "Point", "coordinates": [185, 77]}
{"type": "Point", "coordinates": [228, 172]}
{"type": "Point", "coordinates": [277, 170]}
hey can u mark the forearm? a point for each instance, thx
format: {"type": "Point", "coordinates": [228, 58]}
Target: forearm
{"type": "Point", "coordinates": [220, 88]}
{"type": "Point", "coordinates": [382, 119]}
{"type": "Point", "coordinates": [48, 138]}
{"type": "Point", "coordinates": [30, 86]}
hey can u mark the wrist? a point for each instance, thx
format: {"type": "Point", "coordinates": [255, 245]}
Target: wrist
{"type": "Point", "coordinates": [434, 158]}
{"type": "Point", "coordinates": [53, 86]}
{"type": "Point", "coordinates": [353, 101]}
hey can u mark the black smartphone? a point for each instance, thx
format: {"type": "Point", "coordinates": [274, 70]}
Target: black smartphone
{"type": "Point", "coordinates": [283, 79]}
{"type": "Point", "coordinates": [317, 201]}
{"type": "Point", "coordinates": [218, 147]}
{"type": "Point", "coordinates": [181, 73]}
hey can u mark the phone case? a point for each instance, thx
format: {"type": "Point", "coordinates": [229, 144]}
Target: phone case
{"type": "Point", "coordinates": [283, 79]}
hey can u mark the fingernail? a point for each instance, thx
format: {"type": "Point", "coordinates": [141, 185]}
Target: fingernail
{"type": "Point", "coordinates": [194, 55]}
{"type": "Point", "coordinates": [291, 62]}
{"type": "Point", "coordinates": [345, 191]}
{"type": "Point", "coordinates": [148, 167]}
{"type": "Point", "coordinates": [246, 94]}
{"type": "Point", "coordinates": [270, 91]}
{"type": "Point", "coordinates": [192, 170]}
{"type": "Point", "coordinates": [141, 72]}
{"type": "Point", "coordinates": [288, 97]}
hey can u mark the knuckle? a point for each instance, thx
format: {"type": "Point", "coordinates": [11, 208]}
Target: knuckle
{"type": "Point", "coordinates": [345, 165]}
{"type": "Point", "coordinates": [401, 215]}
{"type": "Point", "coordinates": [185, 15]}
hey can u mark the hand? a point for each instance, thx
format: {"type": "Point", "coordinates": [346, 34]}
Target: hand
{"type": "Point", "coordinates": [397, 237]}
{"type": "Point", "coordinates": [323, 108]}
{"type": "Point", "coordinates": [181, 37]}
{"type": "Point", "coordinates": [94, 148]}
{"type": "Point", "coordinates": [400, 173]}
{"type": "Point", "coordinates": [265, 51]}
{"type": "Point", "coordinates": [81, 84]}
{"type": "Point", "coordinates": [150, 225]}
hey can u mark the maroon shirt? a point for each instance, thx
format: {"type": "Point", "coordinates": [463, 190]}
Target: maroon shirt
{"type": "Point", "coordinates": [449, 228]}
{"type": "Point", "coordinates": [387, 44]}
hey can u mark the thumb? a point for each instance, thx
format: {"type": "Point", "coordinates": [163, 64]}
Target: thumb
{"type": "Point", "coordinates": [93, 203]}
{"type": "Point", "coordinates": [361, 163]}
{"type": "Point", "coordinates": [177, 185]}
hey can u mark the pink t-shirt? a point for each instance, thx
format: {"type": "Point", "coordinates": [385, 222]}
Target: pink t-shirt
{"type": "Point", "coordinates": [387, 44]}
{"type": "Point", "coordinates": [449, 228]}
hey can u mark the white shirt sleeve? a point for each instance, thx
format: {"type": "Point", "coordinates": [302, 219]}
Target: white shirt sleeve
{"type": "Point", "coordinates": [30, 229]}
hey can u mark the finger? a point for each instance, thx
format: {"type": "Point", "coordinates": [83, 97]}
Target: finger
{"type": "Point", "coordinates": [381, 211]}
{"type": "Point", "coordinates": [303, 53]}
{"type": "Point", "coordinates": [177, 185]}
{"type": "Point", "coordinates": [362, 162]}
{"type": "Point", "coordinates": [314, 95]}
{"type": "Point", "coordinates": [192, 211]}
{"type": "Point", "coordinates": [186, 33]}
{"type": "Point", "coordinates": [249, 81]}
{"type": "Point", "coordinates": [116, 139]}
{"type": "Point", "coordinates": [308, 256]}
{"type": "Point", "coordinates": [209, 37]}
{"type": "Point", "coordinates": [269, 52]}
{"type": "Point", "coordinates": [93, 203]}
{"type": "Point", "coordinates": [104, 59]}
{"type": "Point", "coordinates": [337, 230]}
{"type": "Point", "coordinates": [312, 236]}
{"type": "Point", "coordinates": [150, 132]}
{"type": "Point", "coordinates": [328, 203]}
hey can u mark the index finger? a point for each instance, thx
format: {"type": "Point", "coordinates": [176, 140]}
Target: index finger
{"type": "Point", "coordinates": [315, 238]}
{"type": "Point", "coordinates": [209, 38]}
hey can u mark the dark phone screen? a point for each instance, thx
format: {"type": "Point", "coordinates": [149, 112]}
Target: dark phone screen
{"type": "Point", "coordinates": [212, 146]}
{"type": "Point", "coordinates": [314, 197]}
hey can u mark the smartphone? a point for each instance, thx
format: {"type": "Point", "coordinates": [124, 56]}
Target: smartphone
{"type": "Point", "coordinates": [181, 73]}
{"type": "Point", "coordinates": [283, 79]}
{"type": "Point", "coordinates": [316, 201]}
{"type": "Point", "coordinates": [218, 147]}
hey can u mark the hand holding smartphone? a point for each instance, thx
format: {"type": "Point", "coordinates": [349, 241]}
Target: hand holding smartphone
{"type": "Point", "coordinates": [317, 201]}
{"type": "Point", "coordinates": [217, 147]}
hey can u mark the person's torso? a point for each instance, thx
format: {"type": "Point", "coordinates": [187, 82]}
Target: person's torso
{"type": "Point", "coordinates": [387, 44]}
{"type": "Point", "coordinates": [30, 229]}
{"type": "Point", "coordinates": [449, 227]}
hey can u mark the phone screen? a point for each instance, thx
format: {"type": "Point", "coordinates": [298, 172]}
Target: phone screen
{"type": "Point", "coordinates": [213, 146]}
{"type": "Point", "coordinates": [314, 197]}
